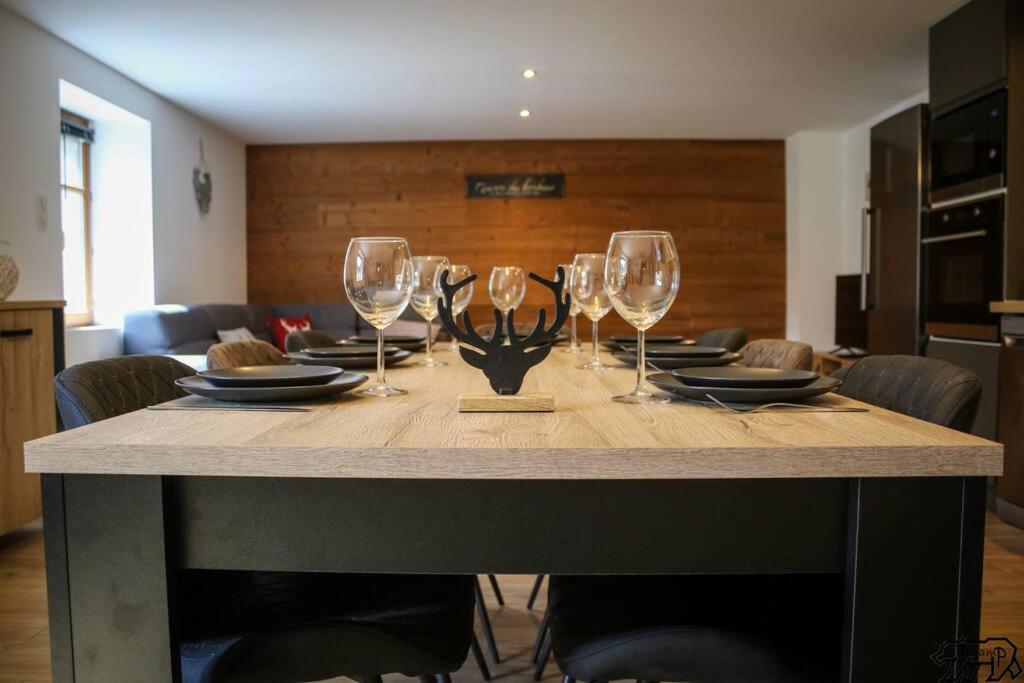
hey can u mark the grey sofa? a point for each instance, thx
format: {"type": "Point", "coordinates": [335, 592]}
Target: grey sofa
{"type": "Point", "coordinates": [192, 329]}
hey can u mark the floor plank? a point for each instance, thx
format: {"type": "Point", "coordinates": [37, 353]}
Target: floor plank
{"type": "Point", "coordinates": [24, 637]}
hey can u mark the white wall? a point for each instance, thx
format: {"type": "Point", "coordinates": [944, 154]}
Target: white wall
{"type": "Point", "coordinates": [826, 189]}
{"type": "Point", "coordinates": [196, 258]}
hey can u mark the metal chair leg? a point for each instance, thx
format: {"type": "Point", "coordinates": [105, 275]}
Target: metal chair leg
{"type": "Point", "coordinates": [478, 655]}
{"type": "Point", "coordinates": [443, 678]}
{"type": "Point", "coordinates": [536, 589]}
{"type": "Point", "coordinates": [567, 679]}
{"type": "Point", "coordinates": [497, 589]}
{"type": "Point", "coordinates": [542, 633]}
{"type": "Point", "coordinates": [543, 657]}
{"type": "Point", "coordinates": [485, 622]}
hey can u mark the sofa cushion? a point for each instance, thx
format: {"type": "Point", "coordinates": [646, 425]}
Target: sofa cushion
{"type": "Point", "coordinates": [338, 320]}
{"type": "Point", "coordinates": [282, 327]}
{"type": "Point", "coordinates": [169, 329]}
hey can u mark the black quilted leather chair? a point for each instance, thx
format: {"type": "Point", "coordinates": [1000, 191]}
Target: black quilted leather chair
{"type": "Point", "coordinates": [270, 627]}
{"type": "Point", "coordinates": [730, 338]}
{"type": "Point", "coordinates": [926, 388]}
{"type": "Point", "coordinates": [307, 339]}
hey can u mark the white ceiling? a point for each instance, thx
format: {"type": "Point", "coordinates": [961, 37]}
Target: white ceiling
{"type": "Point", "coordinates": [348, 70]}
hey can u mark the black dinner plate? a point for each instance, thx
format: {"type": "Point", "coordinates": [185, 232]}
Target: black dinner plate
{"type": "Point", "coordinates": [199, 386]}
{"type": "Point", "coordinates": [666, 382]}
{"type": "Point", "coordinates": [348, 351]}
{"type": "Point", "coordinates": [349, 363]}
{"type": "Point", "coordinates": [670, 363]}
{"type": "Point", "coordinates": [677, 351]}
{"type": "Point", "coordinates": [406, 342]}
{"type": "Point", "coordinates": [269, 376]}
{"type": "Point", "coordinates": [651, 339]}
{"type": "Point", "coordinates": [745, 377]}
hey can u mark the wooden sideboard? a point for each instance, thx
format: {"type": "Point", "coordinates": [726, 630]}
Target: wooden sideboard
{"type": "Point", "coordinates": [31, 352]}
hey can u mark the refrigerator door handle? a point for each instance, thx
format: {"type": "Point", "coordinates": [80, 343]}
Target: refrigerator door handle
{"type": "Point", "coordinates": [953, 238]}
{"type": "Point", "coordinates": [865, 250]}
{"type": "Point", "coordinates": [876, 214]}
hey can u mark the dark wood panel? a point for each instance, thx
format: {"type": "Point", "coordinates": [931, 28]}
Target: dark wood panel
{"type": "Point", "coordinates": [724, 201]}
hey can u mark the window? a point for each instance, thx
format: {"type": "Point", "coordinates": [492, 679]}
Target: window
{"type": "Point", "coordinates": [75, 198]}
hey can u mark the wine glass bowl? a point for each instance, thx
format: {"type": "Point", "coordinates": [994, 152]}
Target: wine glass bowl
{"type": "Point", "coordinates": [642, 279]}
{"type": "Point", "coordinates": [426, 289]}
{"type": "Point", "coordinates": [507, 287]}
{"type": "Point", "coordinates": [588, 292]}
{"type": "Point", "coordinates": [574, 310]}
{"type": "Point", "coordinates": [378, 282]}
{"type": "Point", "coordinates": [462, 297]}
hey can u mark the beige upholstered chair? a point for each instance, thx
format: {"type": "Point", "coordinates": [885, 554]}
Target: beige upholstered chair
{"type": "Point", "coordinates": [243, 353]}
{"type": "Point", "coordinates": [778, 353]}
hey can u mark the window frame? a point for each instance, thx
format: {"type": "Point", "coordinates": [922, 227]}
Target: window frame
{"type": "Point", "coordinates": [88, 317]}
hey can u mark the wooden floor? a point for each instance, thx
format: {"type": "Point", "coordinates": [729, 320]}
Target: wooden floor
{"type": "Point", "coordinates": [24, 645]}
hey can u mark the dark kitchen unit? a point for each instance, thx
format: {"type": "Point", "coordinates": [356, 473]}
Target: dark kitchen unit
{"type": "Point", "coordinates": [891, 233]}
{"type": "Point", "coordinates": [1010, 486]}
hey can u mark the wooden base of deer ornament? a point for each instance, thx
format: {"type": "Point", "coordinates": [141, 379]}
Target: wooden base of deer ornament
{"type": "Point", "coordinates": [505, 357]}
{"type": "Point", "coordinates": [515, 403]}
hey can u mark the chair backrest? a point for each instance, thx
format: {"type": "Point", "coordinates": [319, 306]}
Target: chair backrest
{"type": "Point", "coordinates": [778, 353]}
{"type": "Point", "coordinates": [926, 388]}
{"type": "Point", "coordinates": [307, 339]}
{"type": "Point", "coordinates": [730, 338]}
{"type": "Point", "coordinates": [100, 389]}
{"type": "Point", "coordinates": [243, 353]}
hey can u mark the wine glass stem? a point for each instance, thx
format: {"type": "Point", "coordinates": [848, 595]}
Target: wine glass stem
{"type": "Point", "coordinates": [429, 341]}
{"type": "Point", "coordinates": [593, 347]}
{"type": "Point", "coordinates": [641, 363]}
{"type": "Point", "coordinates": [380, 358]}
{"type": "Point", "coordinates": [575, 343]}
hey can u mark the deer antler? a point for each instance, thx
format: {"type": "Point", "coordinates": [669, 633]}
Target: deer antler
{"type": "Point", "coordinates": [539, 334]}
{"type": "Point", "coordinates": [470, 336]}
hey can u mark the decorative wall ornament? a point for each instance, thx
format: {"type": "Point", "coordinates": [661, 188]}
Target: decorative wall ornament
{"type": "Point", "coordinates": [511, 186]}
{"type": "Point", "coordinates": [504, 364]}
{"type": "Point", "coordinates": [202, 183]}
{"type": "Point", "coordinates": [8, 274]}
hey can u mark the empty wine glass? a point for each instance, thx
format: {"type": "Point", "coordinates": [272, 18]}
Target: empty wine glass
{"type": "Point", "coordinates": [378, 282]}
{"type": "Point", "coordinates": [507, 287]}
{"type": "Point", "coordinates": [574, 310]}
{"type": "Point", "coordinates": [587, 289]}
{"type": "Point", "coordinates": [461, 299]}
{"type": "Point", "coordinates": [426, 288]}
{"type": "Point", "coordinates": [642, 279]}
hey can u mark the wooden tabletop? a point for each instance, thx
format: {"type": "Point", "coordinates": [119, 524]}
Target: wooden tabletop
{"type": "Point", "coordinates": [588, 437]}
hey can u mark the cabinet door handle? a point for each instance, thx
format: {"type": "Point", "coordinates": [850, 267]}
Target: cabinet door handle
{"type": "Point", "coordinates": [21, 332]}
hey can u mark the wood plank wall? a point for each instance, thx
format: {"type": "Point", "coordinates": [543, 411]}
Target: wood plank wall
{"type": "Point", "coordinates": [724, 201]}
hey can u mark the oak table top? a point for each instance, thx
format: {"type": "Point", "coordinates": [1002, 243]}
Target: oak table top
{"type": "Point", "coordinates": [423, 436]}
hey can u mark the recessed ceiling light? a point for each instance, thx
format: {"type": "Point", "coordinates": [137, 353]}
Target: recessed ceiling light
{"type": "Point", "coordinates": [524, 113]}
{"type": "Point", "coordinates": [529, 73]}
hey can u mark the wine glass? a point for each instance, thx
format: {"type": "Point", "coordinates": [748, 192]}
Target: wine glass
{"type": "Point", "coordinates": [378, 282]}
{"type": "Point", "coordinates": [507, 287]}
{"type": "Point", "coordinates": [426, 288]}
{"type": "Point", "coordinates": [458, 273]}
{"type": "Point", "coordinates": [642, 277]}
{"type": "Point", "coordinates": [587, 288]}
{"type": "Point", "coordinates": [574, 310]}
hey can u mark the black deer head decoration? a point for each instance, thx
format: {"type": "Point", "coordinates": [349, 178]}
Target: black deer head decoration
{"type": "Point", "coordinates": [504, 364]}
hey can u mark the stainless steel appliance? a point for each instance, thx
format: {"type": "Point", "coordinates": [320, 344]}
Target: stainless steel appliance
{"type": "Point", "coordinates": [962, 257]}
{"type": "Point", "coordinates": [968, 150]}
{"type": "Point", "coordinates": [983, 359]}
{"type": "Point", "coordinates": [890, 239]}
{"type": "Point", "coordinates": [1010, 486]}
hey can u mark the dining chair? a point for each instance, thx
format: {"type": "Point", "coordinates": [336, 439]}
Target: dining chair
{"type": "Point", "coordinates": [740, 628]}
{"type": "Point", "coordinates": [244, 353]}
{"type": "Point", "coordinates": [279, 626]}
{"type": "Point", "coordinates": [307, 339]}
{"type": "Point", "coordinates": [926, 388]}
{"type": "Point", "coordinates": [728, 338]}
{"type": "Point", "coordinates": [777, 353]}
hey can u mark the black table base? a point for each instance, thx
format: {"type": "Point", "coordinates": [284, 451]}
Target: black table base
{"type": "Point", "coordinates": [911, 549]}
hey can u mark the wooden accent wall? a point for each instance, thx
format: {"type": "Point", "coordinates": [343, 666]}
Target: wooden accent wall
{"type": "Point", "coordinates": [724, 201]}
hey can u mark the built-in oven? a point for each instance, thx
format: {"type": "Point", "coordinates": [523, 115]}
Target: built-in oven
{"type": "Point", "coordinates": [968, 150]}
{"type": "Point", "coordinates": [962, 266]}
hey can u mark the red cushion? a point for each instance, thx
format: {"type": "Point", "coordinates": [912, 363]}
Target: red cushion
{"type": "Point", "coordinates": [280, 327]}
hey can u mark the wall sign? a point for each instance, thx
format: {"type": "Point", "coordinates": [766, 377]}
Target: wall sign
{"type": "Point", "coordinates": [547, 186]}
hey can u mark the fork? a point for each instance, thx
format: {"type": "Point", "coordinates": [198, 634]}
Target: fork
{"type": "Point", "coordinates": [801, 407]}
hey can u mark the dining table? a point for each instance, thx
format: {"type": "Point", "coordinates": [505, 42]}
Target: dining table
{"type": "Point", "coordinates": [410, 485]}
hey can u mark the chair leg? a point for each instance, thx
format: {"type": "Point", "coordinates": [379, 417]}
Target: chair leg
{"type": "Point", "coordinates": [542, 633]}
{"type": "Point", "coordinates": [497, 589]}
{"type": "Point", "coordinates": [535, 591]}
{"type": "Point", "coordinates": [485, 622]}
{"type": "Point", "coordinates": [443, 678]}
{"type": "Point", "coordinates": [567, 679]}
{"type": "Point", "coordinates": [478, 655]}
{"type": "Point", "coordinates": [543, 657]}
